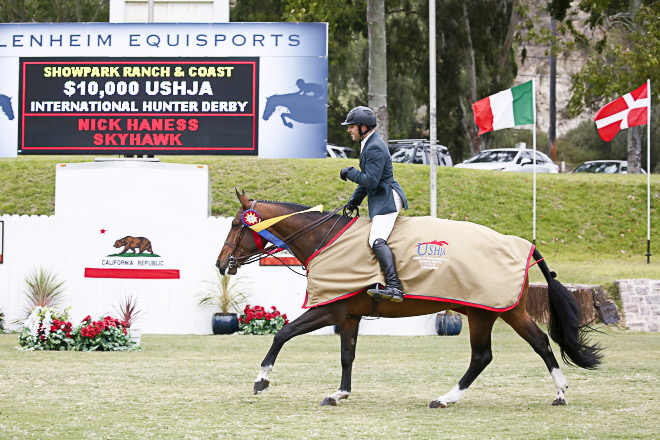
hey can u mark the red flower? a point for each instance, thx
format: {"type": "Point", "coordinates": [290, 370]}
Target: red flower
{"type": "Point", "coordinates": [240, 319]}
{"type": "Point", "coordinates": [268, 316]}
{"type": "Point", "coordinates": [259, 314]}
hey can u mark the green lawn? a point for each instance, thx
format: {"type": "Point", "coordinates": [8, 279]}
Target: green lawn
{"type": "Point", "coordinates": [591, 228]}
{"type": "Point", "coordinates": [199, 387]}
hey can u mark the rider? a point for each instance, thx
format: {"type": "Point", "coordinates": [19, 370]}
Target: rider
{"type": "Point", "coordinates": [375, 179]}
{"type": "Point", "coordinates": [310, 89]}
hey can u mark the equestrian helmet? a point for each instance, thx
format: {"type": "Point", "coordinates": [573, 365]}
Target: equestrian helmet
{"type": "Point", "coordinates": [361, 115]}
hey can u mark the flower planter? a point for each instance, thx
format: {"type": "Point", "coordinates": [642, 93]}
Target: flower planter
{"type": "Point", "coordinates": [448, 324]}
{"type": "Point", "coordinates": [136, 335]}
{"type": "Point", "coordinates": [224, 324]}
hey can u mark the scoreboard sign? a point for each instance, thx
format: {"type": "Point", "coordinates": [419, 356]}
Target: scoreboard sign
{"type": "Point", "coordinates": [164, 88]}
{"type": "Point", "coordinates": [123, 106]}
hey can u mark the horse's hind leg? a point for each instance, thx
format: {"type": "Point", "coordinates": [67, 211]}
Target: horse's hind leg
{"type": "Point", "coordinates": [522, 323]}
{"type": "Point", "coordinates": [311, 320]}
{"type": "Point", "coordinates": [348, 336]}
{"type": "Point", "coordinates": [481, 324]}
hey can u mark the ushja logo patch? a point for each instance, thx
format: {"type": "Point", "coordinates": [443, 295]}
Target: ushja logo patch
{"type": "Point", "coordinates": [430, 254]}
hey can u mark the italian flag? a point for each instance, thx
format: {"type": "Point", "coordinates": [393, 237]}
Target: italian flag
{"type": "Point", "coordinates": [508, 108]}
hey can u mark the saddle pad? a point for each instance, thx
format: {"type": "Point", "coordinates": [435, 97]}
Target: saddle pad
{"type": "Point", "coordinates": [436, 259]}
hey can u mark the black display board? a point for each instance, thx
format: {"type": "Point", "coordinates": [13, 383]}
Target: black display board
{"type": "Point", "coordinates": [138, 106]}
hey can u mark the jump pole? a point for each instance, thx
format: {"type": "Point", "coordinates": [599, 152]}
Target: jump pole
{"type": "Point", "coordinates": [534, 162]}
{"type": "Point", "coordinates": [648, 175]}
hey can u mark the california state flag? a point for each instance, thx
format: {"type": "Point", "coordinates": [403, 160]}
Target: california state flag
{"type": "Point", "coordinates": [627, 111]}
{"type": "Point", "coordinates": [505, 109]}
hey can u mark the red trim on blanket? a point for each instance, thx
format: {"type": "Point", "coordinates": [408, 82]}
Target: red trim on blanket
{"type": "Point", "coordinates": [330, 242]}
{"type": "Point", "coordinates": [435, 298]}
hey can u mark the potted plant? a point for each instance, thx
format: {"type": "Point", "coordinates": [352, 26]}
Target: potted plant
{"type": "Point", "coordinates": [128, 313]}
{"type": "Point", "coordinates": [224, 295]}
{"type": "Point", "coordinates": [448, 323]}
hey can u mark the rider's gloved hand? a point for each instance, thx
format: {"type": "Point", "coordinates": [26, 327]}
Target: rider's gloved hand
{"type": "Point", "coordinates": [344, 172]}
{"type": "Point", "coordinates": [352, 204]}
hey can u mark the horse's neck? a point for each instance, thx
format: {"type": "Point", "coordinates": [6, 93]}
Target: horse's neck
{"type": "Point", "coordinates": [311, 236]}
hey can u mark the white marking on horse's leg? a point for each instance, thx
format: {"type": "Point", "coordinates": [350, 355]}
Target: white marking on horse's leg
{"type": "Point", "coordinates": [335, 397]}
{"type": "Point", "coordinates": [561, 384]}
{"type": "Point", "coordinates": [451, 397]}
{"type": "Point", "coordinates": [263, 373]}
{"type": "Point", "coordinates": [262, 383]}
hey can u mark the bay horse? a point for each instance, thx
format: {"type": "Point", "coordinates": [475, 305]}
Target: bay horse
{"type": "Point", "coordinates": [307, 232]}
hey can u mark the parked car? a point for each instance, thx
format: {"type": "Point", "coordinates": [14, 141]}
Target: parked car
{"type": "Point", "coordinates": [337, 151]}
{"type": "Point", "coordinates": [418, 151]}
{"type": "Point", "coordinates": [510, 159]}
{"type": "Point", "coordinates": [604, 166]}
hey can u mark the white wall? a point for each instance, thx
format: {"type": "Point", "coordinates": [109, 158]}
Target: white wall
{"type": "Point", "coordinates": [100, 203]}
{"type": "Point", "coordinates": [67, 245]}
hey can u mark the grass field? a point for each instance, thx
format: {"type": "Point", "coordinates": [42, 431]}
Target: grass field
{"type": "Point", "coordinates": [591, 228]}
{"type": "Point", "coordinates": [199, 387]}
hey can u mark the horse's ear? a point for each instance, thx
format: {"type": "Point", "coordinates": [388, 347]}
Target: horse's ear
{"type": "Point", "coordinates": [244, 199]}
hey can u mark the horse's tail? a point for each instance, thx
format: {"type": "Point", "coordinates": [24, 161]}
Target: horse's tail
{"type": "Point", "coordinates": [565, 326]}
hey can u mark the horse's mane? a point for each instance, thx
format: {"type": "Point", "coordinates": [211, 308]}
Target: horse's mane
{"type": "Point", "coordinates": [290, 204]}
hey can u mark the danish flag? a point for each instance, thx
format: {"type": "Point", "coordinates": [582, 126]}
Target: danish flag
{"type": "Point", "coordinates": [627, 111]}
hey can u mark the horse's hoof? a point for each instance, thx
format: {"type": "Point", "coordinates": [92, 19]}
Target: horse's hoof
{"type": "Point", "coordinates": [329, 401]}
{"type": "Point", "coordinates": [437, 404]}
{"type": "Point", "coordinates": [261, 385]}
{"type": "Point", "coordinates": [558, 402]}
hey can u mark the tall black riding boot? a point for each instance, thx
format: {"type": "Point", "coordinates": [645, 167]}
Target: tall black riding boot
{"type": "Point", "coordinates": [392, 289]}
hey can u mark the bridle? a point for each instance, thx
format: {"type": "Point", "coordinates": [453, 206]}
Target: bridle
{"type": "Point", "coordinates": [265, 251]}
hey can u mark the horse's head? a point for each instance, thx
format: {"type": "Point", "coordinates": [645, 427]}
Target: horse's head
{"type": "Point", "coordinates": [240, 241]}
{"type": "Point", "coordinates": [270, 107]}
{"type": "Point", "coordinates": [5, 105]}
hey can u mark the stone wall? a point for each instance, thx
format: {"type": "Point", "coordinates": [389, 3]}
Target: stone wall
{"type": "Point", "coordinates": [641, 303]}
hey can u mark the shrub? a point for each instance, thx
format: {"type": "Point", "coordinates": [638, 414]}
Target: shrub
{"type": "Point", "coordinates": [46, 329]}
{"type": "Point", "coordinates": [257, 321]}
{"type": "Point", "coordinates": [104, 334]}
{"type": "Point", "coordinates": [43, 289]}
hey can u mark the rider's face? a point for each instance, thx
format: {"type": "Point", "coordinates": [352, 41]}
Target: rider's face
{"type": "Point", "coordinates": [354, 131]}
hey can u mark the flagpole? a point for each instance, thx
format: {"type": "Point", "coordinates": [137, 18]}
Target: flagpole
{"type": "Point", "coordinates": [648, 175]}
{"type": "Point", "coordinates": [534, 160]}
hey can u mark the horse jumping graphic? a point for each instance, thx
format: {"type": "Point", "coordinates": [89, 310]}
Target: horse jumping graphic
{"type": "Point", "coordinates": [305, 106]}
{"type": "Point", "coordinates": [5, 105]}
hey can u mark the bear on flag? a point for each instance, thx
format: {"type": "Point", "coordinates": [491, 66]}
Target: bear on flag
{"type": "Point", "coordinates": [627, 111]}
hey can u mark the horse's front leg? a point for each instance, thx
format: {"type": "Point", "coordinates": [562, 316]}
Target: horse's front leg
{"type": "Point", "coordinates": [312, 319]}
{"type": "Point", "coordinates": [348, 335]}
{"type": "Point", "coordinates": [287, 123]}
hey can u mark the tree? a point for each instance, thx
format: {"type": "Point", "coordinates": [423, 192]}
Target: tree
{"type": "Point", "coordinates": [378, 65]}
{"type": "Point", "coordinates": [624, 55]}
{"type": "Point", "coordinates": [58, 11]}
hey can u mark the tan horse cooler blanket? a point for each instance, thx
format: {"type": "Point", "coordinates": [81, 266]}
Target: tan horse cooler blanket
{"type": "Point", "coordinates": [436, 259]}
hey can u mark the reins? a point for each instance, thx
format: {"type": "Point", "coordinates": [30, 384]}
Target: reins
{"type": "Point", "coordinates": [269, 251]}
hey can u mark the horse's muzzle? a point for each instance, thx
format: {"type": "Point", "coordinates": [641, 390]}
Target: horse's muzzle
{"type": "Point", "coordinates": [231, 267]}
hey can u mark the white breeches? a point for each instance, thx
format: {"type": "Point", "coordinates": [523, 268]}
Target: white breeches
{"type": "Point", "coordinates": [381, 225]}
